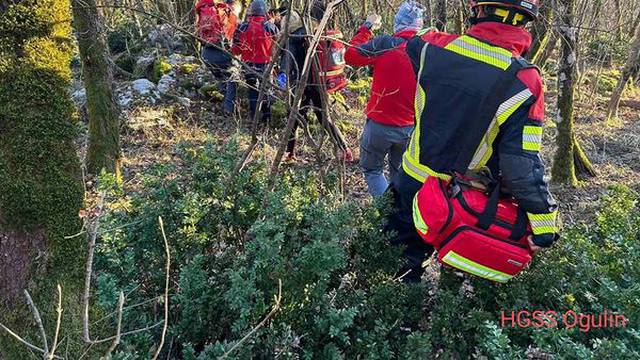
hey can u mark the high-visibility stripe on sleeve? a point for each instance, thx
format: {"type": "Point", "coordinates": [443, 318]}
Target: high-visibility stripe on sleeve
{"type": "Point", "coordinates": [532, 138]}
{"type": "Point", "coordinates": [477, 50]}
{"type": "Point", "coordinates": [505, 110]}
{"type": "Point", "coordinates": [464, 264]}
{"type": "Point", "coordinates": [544, 223]}
{"type": "Point", "coordinates": [418, 221]}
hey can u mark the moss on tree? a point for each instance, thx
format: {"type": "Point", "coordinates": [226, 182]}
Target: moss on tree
{"type": "Point", "coordinates": [102, 109]}
{"type": "Point", "coordinates": [40, 187]}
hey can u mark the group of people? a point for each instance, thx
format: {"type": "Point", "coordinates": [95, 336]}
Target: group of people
{"type": "Point", "coordinates": [252, 42]}
{"type": "Point", "coordinates": [428, 89]}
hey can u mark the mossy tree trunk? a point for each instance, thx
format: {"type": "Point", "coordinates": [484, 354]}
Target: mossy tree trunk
{"type": "Point", "coordinates": [40, 179]}
{"type": "Point", "coordinates": [563, 170]}
{"type": "Point", "coordinates": [540, 59]}
{"type": "Point", "coordinates": [102, 109]}
{"type": "Point", "coordinates": [540, 32]}
{"type": "Point", "coordinates": [627, 72]}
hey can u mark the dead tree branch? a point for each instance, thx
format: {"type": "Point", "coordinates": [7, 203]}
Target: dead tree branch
{"type": "Point", "coordinates": [277, 300]}
{"type": "Point", "coordinates": [38, 319]}
{"type": "Point", "coordinates": [166, 289]}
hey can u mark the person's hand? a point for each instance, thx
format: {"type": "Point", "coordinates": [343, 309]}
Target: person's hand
{"type": "Point", "coordinates": [373, 22]}
{"type": "Point", "coordinates": [534, 248]}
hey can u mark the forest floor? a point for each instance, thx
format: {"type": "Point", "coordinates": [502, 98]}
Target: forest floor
{"type": "Point", "coordinates": [152, 135]}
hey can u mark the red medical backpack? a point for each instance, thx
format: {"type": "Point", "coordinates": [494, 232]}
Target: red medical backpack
{"type": "Point", "coordinates": [478, 233]}
{"type": "Point", "coordinates": [213, 21]}
{"type": "Point", "coordinates": [331, 60]}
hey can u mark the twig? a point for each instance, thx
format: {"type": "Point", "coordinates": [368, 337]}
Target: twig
{"type": "Point", "coordinates": [166, 289]}
{"type": "Point", "coordinates": [116, 341]}
{"type": "Point", "coordinates": [297, 99]}
{"type": "Point", "coordinates": [282, 42]}
{"type": "Point", "coordinates": [26, 343]}
{"type": "Point", "coordinates": [58, 322]}
{"type": "Point", "coordinates": [36, 316]}
{"type": "Point", "coordinates": [127, 333]}
{"type": "Point", "coordinates": [277, 299]}
{"type": "Point", "coordinates": [93, 234]}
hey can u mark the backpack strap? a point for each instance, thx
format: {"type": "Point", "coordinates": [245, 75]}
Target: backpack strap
{"type": "Point", "coordinates": [476, 129]}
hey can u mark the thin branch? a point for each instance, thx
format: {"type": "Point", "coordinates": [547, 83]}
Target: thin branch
{"type": "Point", "coordinates": [36, 316]}
{"type": "Point", "coordinates": [311, 51]}
{"type": "Point", "coordinates": [23, 341]}
{"type": "Point", "coordinates": [277, 300]}
{"type": "Point", "coordinates": [58, 322]}
{"type": "Point", "coordinates": [116, 341]}
{"type": "Point", "coordinates": [166, 289]}
{"type": "Point", "coordinates": [127, 333]}
{"type": "Point", "coordinates": [93, 234]}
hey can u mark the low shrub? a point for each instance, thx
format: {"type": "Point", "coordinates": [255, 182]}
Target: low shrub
{"type": "Point", "coordinates": [339, 295]}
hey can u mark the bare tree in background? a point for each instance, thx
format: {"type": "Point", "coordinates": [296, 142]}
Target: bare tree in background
{"type": "Point", "coordinates": [103, 113]}
{"type": "Point", "coordinates": [569, 155]}
{"type": "Point", "coordinates": [631, 64]}
{"type": "Point", "coordinates": [439, 19]}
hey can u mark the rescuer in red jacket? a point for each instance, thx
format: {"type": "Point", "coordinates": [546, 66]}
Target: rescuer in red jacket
{"type": "Point", "coordinates": [253, 42]}
{"type": "Point", "coordinates": [390, 110]}
{"type": "Point", "coordinates": [216, 23]}
{"type": "Point", "coordinates": [455, 75]}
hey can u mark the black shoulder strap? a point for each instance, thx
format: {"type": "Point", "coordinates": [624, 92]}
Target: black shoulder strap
{"type": "Point", "coordinates": [479, 124]}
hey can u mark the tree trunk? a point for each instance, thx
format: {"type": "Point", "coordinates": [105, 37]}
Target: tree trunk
{"type": "Point", "coordinates": [542, 56]}
{"type": "Point", "coordinates": [440, 15]}
{"type": "Point", "coordinates": [459, 18]}
{"type": "Point", "coordinates": [563, 170]}
{"type": "Point", "coordinates": [103, 113]}
{"type": "Point", "coordinates": [40, 188]}
{"type": "Point", "coordinates": [618, 10]}
{"type": "Point", "coordinates": [627, 71]}
{"type": "Point", "coordinates": [540, 33]}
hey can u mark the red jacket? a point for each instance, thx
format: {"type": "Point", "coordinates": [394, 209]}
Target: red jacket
{"type": "Point", "coordinates": [394, 81]}
{"type": "Point", "coordinates": [229, 20]}
{"type": "Point", "coordinates": [254, 40]}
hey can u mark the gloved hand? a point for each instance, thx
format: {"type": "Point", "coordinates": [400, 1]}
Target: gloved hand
{"type": "Point", "coordinates": [282, 80]}
{"type": "Point", "coordinates": [539, 242]}
{"type": "Point", "coordinates": [373, 22]}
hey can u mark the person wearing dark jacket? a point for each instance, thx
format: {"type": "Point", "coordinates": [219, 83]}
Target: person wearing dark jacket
{"type": "Point", "coordinates": [314, 96]}
{"type": "Point", "coordinates": [253, 42]}
{"type": "Point", "coordinates": [390, 111]}
{"type": "Point", "coordinates": [455, 76]}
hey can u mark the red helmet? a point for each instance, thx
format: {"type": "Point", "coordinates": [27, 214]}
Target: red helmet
{"type": "Point", "coordinates": [528, 7]}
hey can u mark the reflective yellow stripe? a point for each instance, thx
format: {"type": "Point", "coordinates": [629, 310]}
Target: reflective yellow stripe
{"type": "Point", "coordinates": [532, 138]}
{"type": "Point", "coordinates": [332, 73]}
{"type": "Point", "coordinates": [419, 103]}
{"type": "Point", "coordinates": [418, 171]}
{"type": "Point", "coordinates": [418, 221]}
{"type": "Point", "coordinates": [474, 268]}
{"type": "Point", "coordinates": [505, 110]}
{"type": "Point", "coordinates": [477, 50]}
{"type": "Point", "coordinates": [544, 223]}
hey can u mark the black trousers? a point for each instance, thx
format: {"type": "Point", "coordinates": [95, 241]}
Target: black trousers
{"type": "Point", "coordinates": [312, 97]}
{"type": "Point", "coordinates": [400, 221]}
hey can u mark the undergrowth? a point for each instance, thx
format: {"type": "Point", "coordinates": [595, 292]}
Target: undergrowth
{"type": "Point", "coordinates": [339, 296]}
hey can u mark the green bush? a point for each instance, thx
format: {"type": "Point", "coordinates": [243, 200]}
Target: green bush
{"type": "Point", "coordinates": [339, 295]}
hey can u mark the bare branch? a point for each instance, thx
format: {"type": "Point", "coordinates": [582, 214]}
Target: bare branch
{"type": "Point", "coordinates": [26, 343]}
{"type": "Point", "coordinates": [277, 300]}
{"type": "Point", "coordinates": [166, 289]}
{"type": "Point", "coordinates": [116, 341]}
{"type": "Point", "coordinates": [58, 322]}
{"type": "Point", "coordinates": [36, 316]}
